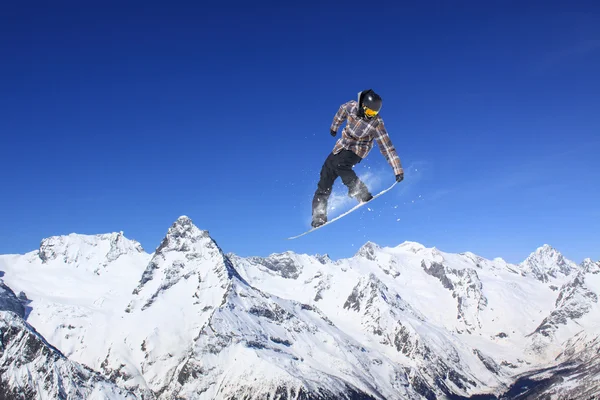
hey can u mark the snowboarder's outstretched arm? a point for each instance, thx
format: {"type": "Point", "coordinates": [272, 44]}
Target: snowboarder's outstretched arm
{"type": "Point", "coordinates": [340, 117]}
{"type": "Point", "coordinates": [388, 150]}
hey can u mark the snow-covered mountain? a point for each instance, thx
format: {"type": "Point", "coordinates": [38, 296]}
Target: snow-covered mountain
{"type": "Point", "coordinates": [31, 368]}
{"type": "Point", "coordinates": [407, 322]}
{"type": "Point", "coordinates": [84, 251]}
{"type": "Point", "coordinates": [546, 263]}
{"type": "Point", "coordinates": [574, 375]}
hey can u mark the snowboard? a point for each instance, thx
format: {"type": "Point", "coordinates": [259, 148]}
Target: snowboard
{"type": "Point", "coordinates": [356, 207]}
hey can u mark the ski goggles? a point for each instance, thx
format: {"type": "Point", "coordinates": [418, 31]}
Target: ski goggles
{"type": "Point", "coordinates": [370, 113]}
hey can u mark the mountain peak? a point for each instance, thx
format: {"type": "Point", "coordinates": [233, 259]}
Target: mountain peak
{"type": "Point", "coordinates": [75, 248]}
{"type": "Point", "coordinates": [181, 236]}
{"type": "Point", "coordinates": [185, 252]}
{"type": "Point", "coordinates": [589, 266]}
{"type": "Point", "coordinates": [544, 252]}
{"type": "Point", "coordinates": [184, 219]}
{"type": "Point", "coordinates": [547, 262]}
{"type": "Point", "coordinates": [182, 224]}
{"type": "Point", "coordinates": [369, 250]}
{"type": "Point", "coordinates": [413, 247]}
{"type": "Point", "coordinates": [546, 249]}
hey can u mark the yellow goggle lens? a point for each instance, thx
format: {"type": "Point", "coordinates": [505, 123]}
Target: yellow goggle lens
{"type": "Point", "coordinates": [370, 113]}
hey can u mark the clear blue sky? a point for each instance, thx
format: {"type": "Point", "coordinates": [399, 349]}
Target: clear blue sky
{"type": "Point", "coordinates": [125, 115]}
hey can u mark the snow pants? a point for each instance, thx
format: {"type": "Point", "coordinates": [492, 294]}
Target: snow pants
{"type": "Point", "coordinates": [341, 165]}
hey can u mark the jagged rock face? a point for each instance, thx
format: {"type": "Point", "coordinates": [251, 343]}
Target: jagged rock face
{"type": "Point", "coordinates": [181, 236]}
{"type": "Point", "coordinates": [372, 252]}
{"type": "Point", "coordinates": [10, 302]}
{"type": "Point", "coordinates": [590, 267]}
{"type": "Point", "coordinates": [282, 264]}
{"type": "Point", "coordinates": [30, 368]}
{"type": "Point", "coordinates": [369, 251]}
{"type": "Point", "coordinates": [547, 263]}
{"type": "Point", "coordinates": [372, 297]}
{"type": "Point", "coordinates": [323, 283]}
{"type": "Point", "coordinates": [466, 287]}
{"type": "Point", "coordinates": [574, 301]}
{"type": "Point", "coordinates": [119, 246]}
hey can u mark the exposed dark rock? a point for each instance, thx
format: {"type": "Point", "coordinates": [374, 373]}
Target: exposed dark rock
{"type": "Point", "coordinates": [282, 264]}
{"type": "Point", "coordinates": [277, 340]}
{"type": "Point", "coordinates": [437, 270]}
{"type": "Point", "coordinates": [574, 301]}
{"type": "Point", "coordinates": [272, 312]}
{"type": "Point", "coordinates": [10, 302]}
{"type": "Point", "coordinates": [369, 251]}
{"type": "Point", "coordinates": [488, 362]}
{"type": "Point", "coordinates": [44, 372]}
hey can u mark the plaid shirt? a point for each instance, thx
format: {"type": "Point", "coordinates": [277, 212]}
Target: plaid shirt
{"type": "Point", "coordinates": [358, 135]}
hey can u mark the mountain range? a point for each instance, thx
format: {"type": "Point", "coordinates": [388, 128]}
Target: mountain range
{"type": "Point", "coordinates": [98, 317]}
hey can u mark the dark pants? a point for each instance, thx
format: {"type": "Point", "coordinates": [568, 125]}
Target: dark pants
{"type": "Point", "coordinates": [341, 165]}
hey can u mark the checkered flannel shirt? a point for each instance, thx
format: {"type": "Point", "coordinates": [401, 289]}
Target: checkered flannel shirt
{"type": "Point", "coordinates": [359, 133]}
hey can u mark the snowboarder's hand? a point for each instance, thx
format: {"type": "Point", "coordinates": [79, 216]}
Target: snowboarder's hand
{"type": "Point", "coordinates": [333, 133]}
{"type": "Point", "coordinates": [400, 177]}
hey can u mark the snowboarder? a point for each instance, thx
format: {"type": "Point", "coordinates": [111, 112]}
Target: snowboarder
{"type": "Point", "coordinates": [364, 124]}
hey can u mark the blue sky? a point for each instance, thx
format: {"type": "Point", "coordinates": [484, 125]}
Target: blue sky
{"type": "Point", "coordinates": [124, 115]}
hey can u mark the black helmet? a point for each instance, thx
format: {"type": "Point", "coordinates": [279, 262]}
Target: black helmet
{"type": "Point", "coordinates": [370, 103]}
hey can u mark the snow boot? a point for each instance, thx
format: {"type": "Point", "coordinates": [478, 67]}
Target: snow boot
{"type": "Point", "coordinates": [365, 197]}
{"type": "Point", "coordinates": [318, 220]}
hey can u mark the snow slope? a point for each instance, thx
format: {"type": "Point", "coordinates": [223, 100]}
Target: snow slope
{"type": "Point", "coordinates": [31, 368]}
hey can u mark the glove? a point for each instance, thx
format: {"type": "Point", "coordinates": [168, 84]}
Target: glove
{"type": "Point", "coordinates": [400, 177]}
{"type": "Point", "coordinates": [333, 133]}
